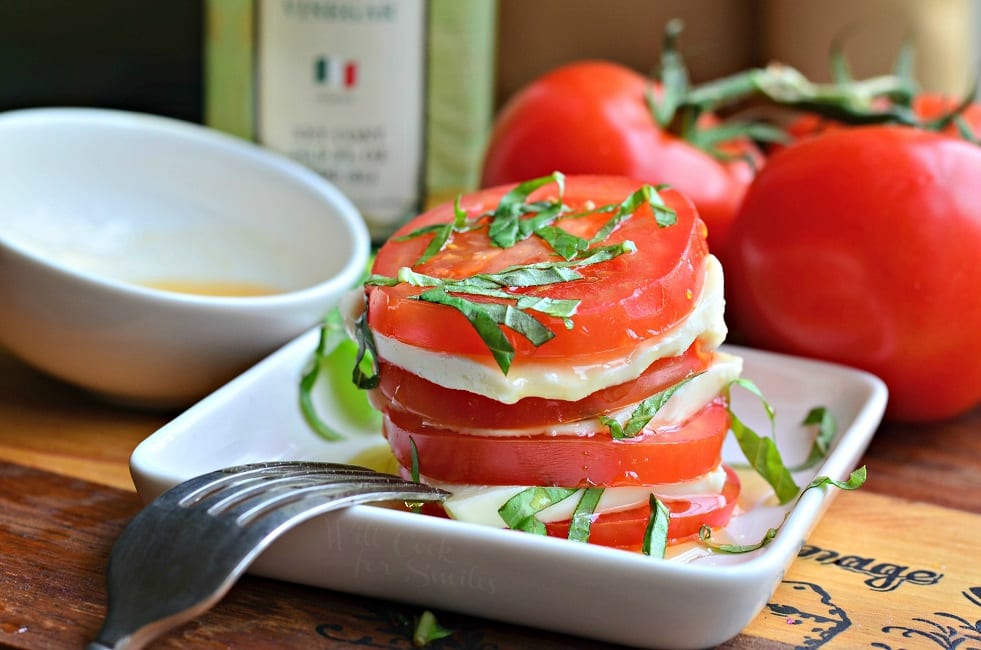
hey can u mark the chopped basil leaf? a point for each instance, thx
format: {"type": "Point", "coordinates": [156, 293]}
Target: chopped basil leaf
{"type": "Point", "coordinates": [826, 429]}
{"type": "Point", "coordinates": [481, 320]}
{"type": "Point", "coordinates": [519, 511]}
{"type": "Point", "coordinates": [546, 214]}
{"type": "Point", "coordinates": [705, 536]}
{"type": "Point", "coordinates": [330, 364]}
{"type": "Point", "coordinates": [410, 277]}
{"type": "Point", "coordinates": [414, 471]}
{"type": "Point", "coordinates": [414, 452]}
{"type": "Point", "coordinates": [437, 243]}
{"type": "Point", "coordinates": [557, 307]}
{"type": "Point", "coordinates": [425, 230]}
{"type": "Point", "coordinates": [764, 457]}
{"type": "Point", "coordinates": [522, 323]}
{"type": "Point", "coordinates": [504, 226]}
{"type": "Point", "coordinates": [309, 379]}
{"type": "Point", "coordinates": [762, 453]}
{"type": "Point", "coordinates": [656, 535]}
{"type": "Point", "coordinates": [855, 480]}
{"type": "Point", "coordinates": [643, 413]}
{"type": "Point", "coordinates": [503, 230]}
{"type": "Point", "coordinates": [582, 518]}
{"type": "Point", "coordinates": [459, 214]}
{"type": "Point", "coordinates": [428, 630]}
{"type": "Point", "coordinates": [527, 276]}
{"type": "Point", "coordinates": [514, 276]}
{"type": "Point", "coordinates": [375, 280]}
{"type": "Point", "coordinates": [441, 233]}
{"type": "Point", "coordinates": [367, 353]}
{"type": "Point", "coordinates": [565, 244]}
{"type": "Point", "coordinates": [663, 215]}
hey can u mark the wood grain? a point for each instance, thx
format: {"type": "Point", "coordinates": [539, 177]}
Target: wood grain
{"type": "Point", "coordinates": [939, 463]}
{"type": "Point", "coordinates": [48, 424]}
{"type": "Point", "coordinates": [861, 579]}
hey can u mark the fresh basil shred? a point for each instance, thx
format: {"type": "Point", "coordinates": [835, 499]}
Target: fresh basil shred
{"type": "Point", "coordinates": [367, 353]}
{"type": "Point", "coordinates": [504, 228]}
{"type": "Point", "coordinates": [643, 413]}
{"type": "Point", "coordinates": [414, 471]}
{"type": "Point", "coordinates": [855, 480]}
{"type": "Point", "coordinates": [582, 517]}
{"type": "Point", "coordinates": [827, 428]}
{"type": "Point", "coordinates": [656, 535]}
{"type": "Point", "coordinates": [519, 511]}
{"type": "Point", "coordinates": [309, 379]}
{"type": "Point", "coordinates": [480, 318]}
{"type": "Point", "coordinates": [761, 452]}
{"type": "Point", "coordinates": [663, 215]}
{"type": "Point", "coordinates": [414, 465]}
{"type": "Point", "coordinates": [427, 629]}
{"type": "Point", "coordinates": [441, 232]}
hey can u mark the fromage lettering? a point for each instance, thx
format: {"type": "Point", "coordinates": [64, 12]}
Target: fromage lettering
{"type": "Point", "coordinates": [882, 576]}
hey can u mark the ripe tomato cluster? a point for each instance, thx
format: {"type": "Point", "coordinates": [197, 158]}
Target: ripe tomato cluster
{"type": "Point", "coordinates": [858, 245]}
{"type": "Point", "coordinates": [594, 117]}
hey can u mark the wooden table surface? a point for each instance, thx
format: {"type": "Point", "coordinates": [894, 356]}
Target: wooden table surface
{"type": "Point", "coordinates": [57, 524]}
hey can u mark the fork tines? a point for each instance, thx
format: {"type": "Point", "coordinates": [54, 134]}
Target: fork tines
{"type": "Point", "coordinates": [249, 492]}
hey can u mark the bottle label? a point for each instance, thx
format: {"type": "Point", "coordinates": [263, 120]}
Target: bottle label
{"type": "Point", "coordinates": [341, 89]}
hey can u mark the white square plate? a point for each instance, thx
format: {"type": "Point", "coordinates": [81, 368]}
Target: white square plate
{"type": "Point", "coordinates": [694, 600]}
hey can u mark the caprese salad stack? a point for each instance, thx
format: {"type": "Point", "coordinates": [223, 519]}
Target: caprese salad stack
{"type": "Point", "coordinates": [547, 352]}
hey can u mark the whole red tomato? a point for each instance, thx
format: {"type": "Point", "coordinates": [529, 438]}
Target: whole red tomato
{"type": "Point", "coordinates": [862, 246]}
{"type": "Point", "coordinates": [592, 117]}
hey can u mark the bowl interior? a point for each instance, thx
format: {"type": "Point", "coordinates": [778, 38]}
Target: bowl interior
{"type": "Point", "coordinates": [153, 201]}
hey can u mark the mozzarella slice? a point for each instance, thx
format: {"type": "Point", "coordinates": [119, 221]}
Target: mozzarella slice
{"type": "Point", "coordinates": [683, 403]}
{"type": "Point", "coordinates": [563, 380]}
{"type": "Point", "coordinates": [480, 503]}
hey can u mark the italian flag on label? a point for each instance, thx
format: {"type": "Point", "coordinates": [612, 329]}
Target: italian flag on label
{"type": "Point", "coordinates": [335, 72]}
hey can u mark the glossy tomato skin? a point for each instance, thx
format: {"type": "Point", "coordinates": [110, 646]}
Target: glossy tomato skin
{"type": "Point", "coordinates": [625, 300]}
{"type": "Point", "coordinates": [591, 117]}
{"type": "Point", "coordinates": [861, 246]}
{"type": "Point", "coordinates": [665, 455]}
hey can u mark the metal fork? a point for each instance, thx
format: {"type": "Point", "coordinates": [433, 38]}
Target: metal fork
{"type": "Point", "coordinates": [184, 551]}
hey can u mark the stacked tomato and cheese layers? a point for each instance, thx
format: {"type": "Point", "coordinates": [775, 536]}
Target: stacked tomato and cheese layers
{"type": "Point", "coordinates": [646, 327]}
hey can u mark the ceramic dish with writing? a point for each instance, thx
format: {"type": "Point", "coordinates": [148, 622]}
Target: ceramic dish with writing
{"type": "Point", "coordinates": [693, 599]}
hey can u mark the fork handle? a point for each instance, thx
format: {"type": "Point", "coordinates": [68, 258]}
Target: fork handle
{"type": "Point", "coordinates": [95, 645]}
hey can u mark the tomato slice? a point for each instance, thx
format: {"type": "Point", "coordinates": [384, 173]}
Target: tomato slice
{"type": "Point", "coordinates": [460, 409]}
{"type": "Point", "coordinates": [626, 300]}
{"type": "Point", "coordinates": [626, 528]}
{"type": "Point", "coordinates": [665, 455]}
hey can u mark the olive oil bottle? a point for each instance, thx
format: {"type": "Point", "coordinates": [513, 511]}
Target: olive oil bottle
{"type": "Point", "coordinates": [390, 100]}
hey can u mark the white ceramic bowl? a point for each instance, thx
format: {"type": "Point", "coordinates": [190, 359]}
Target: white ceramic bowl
{"type": "Point", "coordinates": [97, 205]}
